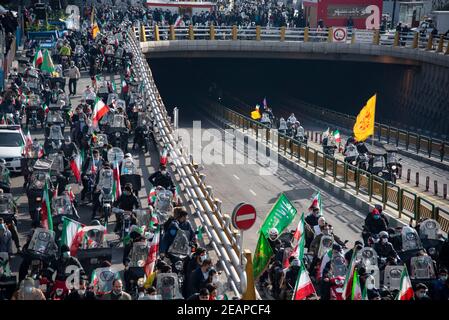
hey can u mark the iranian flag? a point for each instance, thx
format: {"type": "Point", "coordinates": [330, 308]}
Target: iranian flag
{"type": "Point", "coordinates": [178, 21]}
{"type": "Point", "coordinates": [152, 196]}
{"type": "Point", "coordinates": [75, 165]}
{"type": "Point", "coordinates": [356, 292]}
{"type": "Point", "coordinates": [299, 236]}
{"type": "Point", "coordinates": [45, 107]}
{"type": "Point", "coordinates": [46, 218]}
{"type": "Point", "coordinates": [116, 188]}
{"type": "Point", "coordinates": [316, 203]}
{"type": "Point", "coordinates": [304, 286]}
{"type": "Point", "coordinates": [405, 289]}
{"type": "Point", "coordinates": [38, 59]}
{"type": "Point", "coordinates": [347, 286]}
{"type": "Point", "coordinates": [337, 136]}
{"type": "Point", "coordinates": [300, 228]}
{"type": "Point", "coordinates": [93, 169]}
{"type": "Point", "coordinates": [152, 254]}
{"type": "Point", "coordinates": [124, 87]}
{"type": "Point", "coordinates": [100, 109]}
{"type": "Point", "coordinates": [326, 258]}
{"type": "Point", "coordinates": [164, 156]}
{"type": "Point", "coordinates": [69, 230]}
{"type": "Point", "coordinates": [28, 139]}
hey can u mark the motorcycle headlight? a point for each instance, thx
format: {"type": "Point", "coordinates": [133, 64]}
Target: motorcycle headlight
{"type": "Point", "coordinates": [380, 174]}
{"type": "Point", "coordinates": [178, 265]}
{"type": "Point", "coordinates": [60, 227]}
{"type": "Point", "coordinates": [354, 163]}
{"type": "Point", "coordinates": [117, 134]}
{"type": "Point", "coordinates": [393, 167]}
{"type": "Point", "coordinates": [38, 199]}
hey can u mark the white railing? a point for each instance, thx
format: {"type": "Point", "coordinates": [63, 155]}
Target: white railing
{"type": "Point", "coordinates": [224, 241]}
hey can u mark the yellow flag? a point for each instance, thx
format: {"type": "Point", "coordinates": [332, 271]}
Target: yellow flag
{"type": "Point", "coordinates": [95, 30]}
{"type": "Point", "coordinates": [149, 281]}
{"type": "Point", "coordinates": [364, 125]}
{"type": "Point", "coordinates": [255, 115]}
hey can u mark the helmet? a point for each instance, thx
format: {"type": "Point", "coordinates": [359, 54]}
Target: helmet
{"type": "Point", "coordinates": [273, 233]}
{"type": "Point", "coordinates": [383, 234]}
{"type": "Point", "coordinates": [95, 223]}
{"type": "Point", "coordinates": [128, 155]}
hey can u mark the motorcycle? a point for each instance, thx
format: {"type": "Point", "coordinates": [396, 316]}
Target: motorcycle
{"type": "Point", "coordinates": [62, 209]}
{"type": "Point", "coordinates": [142, 133]}
{"type": "Point", "coordinates": [392, 160]}
{"type": "Point", "coordinates": [8, 281]}
{"type": "Point", "coordinates": [105, 185]}
{"type": "Point", "coordinates": [265, 120]}
{"type": "Point", "coordinates": [118, 132]}
{"type": "Point", "coordinates": [53, 142]}
{"type": "Point", "coordinates": [35, 188]}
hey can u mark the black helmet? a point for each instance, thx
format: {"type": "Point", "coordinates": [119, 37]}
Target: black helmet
{"type": "Point", "coordinates": [95, 223]}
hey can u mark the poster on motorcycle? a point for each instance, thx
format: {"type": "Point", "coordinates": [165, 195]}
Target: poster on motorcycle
{"type": "Point", "coordinates": [280, 216]}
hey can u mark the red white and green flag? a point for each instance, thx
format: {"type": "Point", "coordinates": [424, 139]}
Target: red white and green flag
{"type": "Point", "coordinates": [69, 230]}
{"type": "Point", "coordinates": [356, 292]}
{"type": "Point", "coordinates": [116, 188]}
{"type": "Point", "coordinates": [38, 58]}
{"type": "Point", "coordinates": [28, 139]}
{"type": "Point", "coordinates": [304, 286]}
{"type": "Point", "coordinates": [46, 217]}
{"type": "Point", "coordinates": [124, 86]}
{"type": "Point", "coordinates": [150, 263]}
{"type": "Point", "coordinates": [405, 289]}
{"type": "Point", "coordinates": [347, 286]}
{"type": "Point", "coordinates": [100, 109]}
{"type": "Point", "coordinates": [45, 107]}
{"type": "Point", "coordinates": [76, 165]}
{"type": "Point", "coordinates": [326, 258]}
{"type": "Point", "coordinates": [300, 228]}
{"type": "Point", "coordinates": [316, 203]}
{"type": "Point", "coordinates": [299, 236]}
{"type": "Point", "coordinates": [337, 136]}
{"type": "Point", "coordinates": [164, 156]}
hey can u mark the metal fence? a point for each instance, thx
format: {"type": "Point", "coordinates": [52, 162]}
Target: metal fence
{"type": "Point", "coordinates": [410, 141]}
{"type": "Point", "coordinates": [406, 203]}
{"type": "Point", "coordinates": [438, 44]}
{"type": "Point", "coordinates": [224, 240]}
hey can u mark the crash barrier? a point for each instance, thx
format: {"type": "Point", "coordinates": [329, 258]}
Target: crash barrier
{"type": "Point", "coordinates": [224, 240]}
{"type": "Point", "coordinates": [405, 202]}
{"type": "Point", "coordinates": [6, 59]}
{"type": "Point", "coordinates": [410, 141]}
{"type": "Point", "coordinates": [414, 40]}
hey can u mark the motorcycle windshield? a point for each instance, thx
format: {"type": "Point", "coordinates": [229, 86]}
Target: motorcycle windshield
{"type": "Point", "coordinates": [378, 162]}
{"type": "Point", "coordinates": [163, 201]}
{"type": "Point", "coordinates": [6, 204]}
{"type": "Point", "coordinates": [62, 205]}
{"type": "Point", "coordinates": [55, 133]}
{"type": "Point", "coordinates": [139, 254]}
{"type": "Point", "coordinates": [128, 167]}
{"type": "Point", "coordinates": [54, 117]}
{"type": "Point", "coordinates": [118, 121]}
{"type": "Point", "coordinates": [104, 277]}
{"type": "Point", "coordinates": [93, 238]}
{"type": "Point", "coordinates": [410, 239]}
{"type": "Point", "coordinates": [37, 180]}
{"type": "Point", "coordinates": [180, 245]}
{"type": "Point", "coordinates": [42, 241]}
{"type": "Point", "coordinates": [430, 229]}
{"type": "Point", "coordinates": [392, 157]}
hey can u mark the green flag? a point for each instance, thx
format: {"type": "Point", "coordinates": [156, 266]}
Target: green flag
{"type": "Point", "coordinates": [47, 64]}
{"type": "Point", "coordinates": [199, 233]}
{"type": "Point", "coordinates": [280, 216]}
{"type": "Point", "coordinates": [262, 255]}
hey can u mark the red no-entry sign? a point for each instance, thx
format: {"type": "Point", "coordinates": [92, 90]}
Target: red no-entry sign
{"type": "Point", "coordinates": [243, 216]}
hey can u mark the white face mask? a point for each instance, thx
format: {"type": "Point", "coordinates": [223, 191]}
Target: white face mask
{"type": "Point", "coordinates": [203, 257]}
{"type": "Point", "coordinates": [28, 289]}
{"type": "Point", "coordinates": [215, 279]}
{"type": "Point", "coordinates": [81, 292]}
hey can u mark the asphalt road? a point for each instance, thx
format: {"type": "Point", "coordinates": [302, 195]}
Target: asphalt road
{"type": "Point", "coordinates": [234, 183]}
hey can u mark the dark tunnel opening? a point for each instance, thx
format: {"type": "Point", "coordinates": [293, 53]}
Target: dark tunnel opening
{"type": "Point", "coordinates": [338, 85]}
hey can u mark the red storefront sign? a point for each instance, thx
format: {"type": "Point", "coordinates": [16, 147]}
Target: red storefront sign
{"type": "Point", "coordinates": [365, 14]}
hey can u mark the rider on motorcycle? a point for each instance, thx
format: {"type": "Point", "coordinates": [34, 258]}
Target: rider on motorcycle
{"type": "Point", "coordinates": [69, 148]}
{"type": "Point", "coordinates": [373, 224]}
{"type": "Point", "coordinates": [162, 178]}
{"type": "Point", "coordinates": [179, 223]}
{"type": "Point", "coordinates": [337, 250]}
{"type": "Point", "coordinates": [127, 201]}
{"type": "Point", "coordinates": [291, 120]}
{"type": "Point", "coordinates": [384, 248]}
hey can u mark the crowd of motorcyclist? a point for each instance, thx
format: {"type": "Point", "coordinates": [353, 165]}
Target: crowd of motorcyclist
{"type": "Point", "coordinates": [47, 263]}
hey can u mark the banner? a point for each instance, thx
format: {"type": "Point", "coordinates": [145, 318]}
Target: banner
{"type": "Point", "coordinates": [280, 216]}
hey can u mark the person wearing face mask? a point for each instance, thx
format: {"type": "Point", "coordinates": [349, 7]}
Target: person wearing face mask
{"type": "Point", "coordinates": [162, 178]}
{"type": "Point", "coordinates": [117, 292]}
{"type": "Point", "coordinates": [440, 286]}
{"type": "Point", "coordinates": [92, 164]}
{"type": "Point", "coordinates": [179, 223]}
{"type": "Point", "coordinates": [358, 245]}
{"type": "Point", "coordinates": [65, 263]}
{"type": "Point", "coordinates": [199, 277]}
{"type": "Point", "coordinates": [374, 224]}
{"type": "Point", "coordinates": [384, 248]}
{"type": "Point", "coordinates": [203, 294]}
{"type": "Point", "coordinates": [422, 292]}
{"type": "Point", "coordinates": [28, 291]}
{"type": "Point", "coordinates": [288, 282]}
{"type": "Point", "coordinates": [194, 262]}
{"type": "Point", "coordinates": [81, 292]}
{"type": "Point", "coordinates": [128, 202]}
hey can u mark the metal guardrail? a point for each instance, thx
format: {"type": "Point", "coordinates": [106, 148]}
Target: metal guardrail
{"type": "Point", "coordinates": [414, 40]}
{"type": "Point", "coordinates": [225, 242]}
{"type": "Point", "coordinates": [407, 203]}
{"type": "Point", "coordinates": [432, 147]}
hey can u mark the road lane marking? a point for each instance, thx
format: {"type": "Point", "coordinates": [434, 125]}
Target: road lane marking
{"type": "Point", "coordinates": [235, 176]}
{"type": "Point", "coordinates": [254, 194]}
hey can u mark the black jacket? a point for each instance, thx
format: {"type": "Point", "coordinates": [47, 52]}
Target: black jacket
{"type": "Point", "coordinates": [127, 202]}
{"type": "Point", "coordinates": [74, 295]}
{"type": "Point", "coordinates": [385, 250]}
{"type": "Point", "coordinates": [196, 282]}
{"type": "Point", "coordinates": [375, 226]}
{"type": "Point", "coordinates": [311, 220]}
{"type": "Point", "coordinates": [158, 179]}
